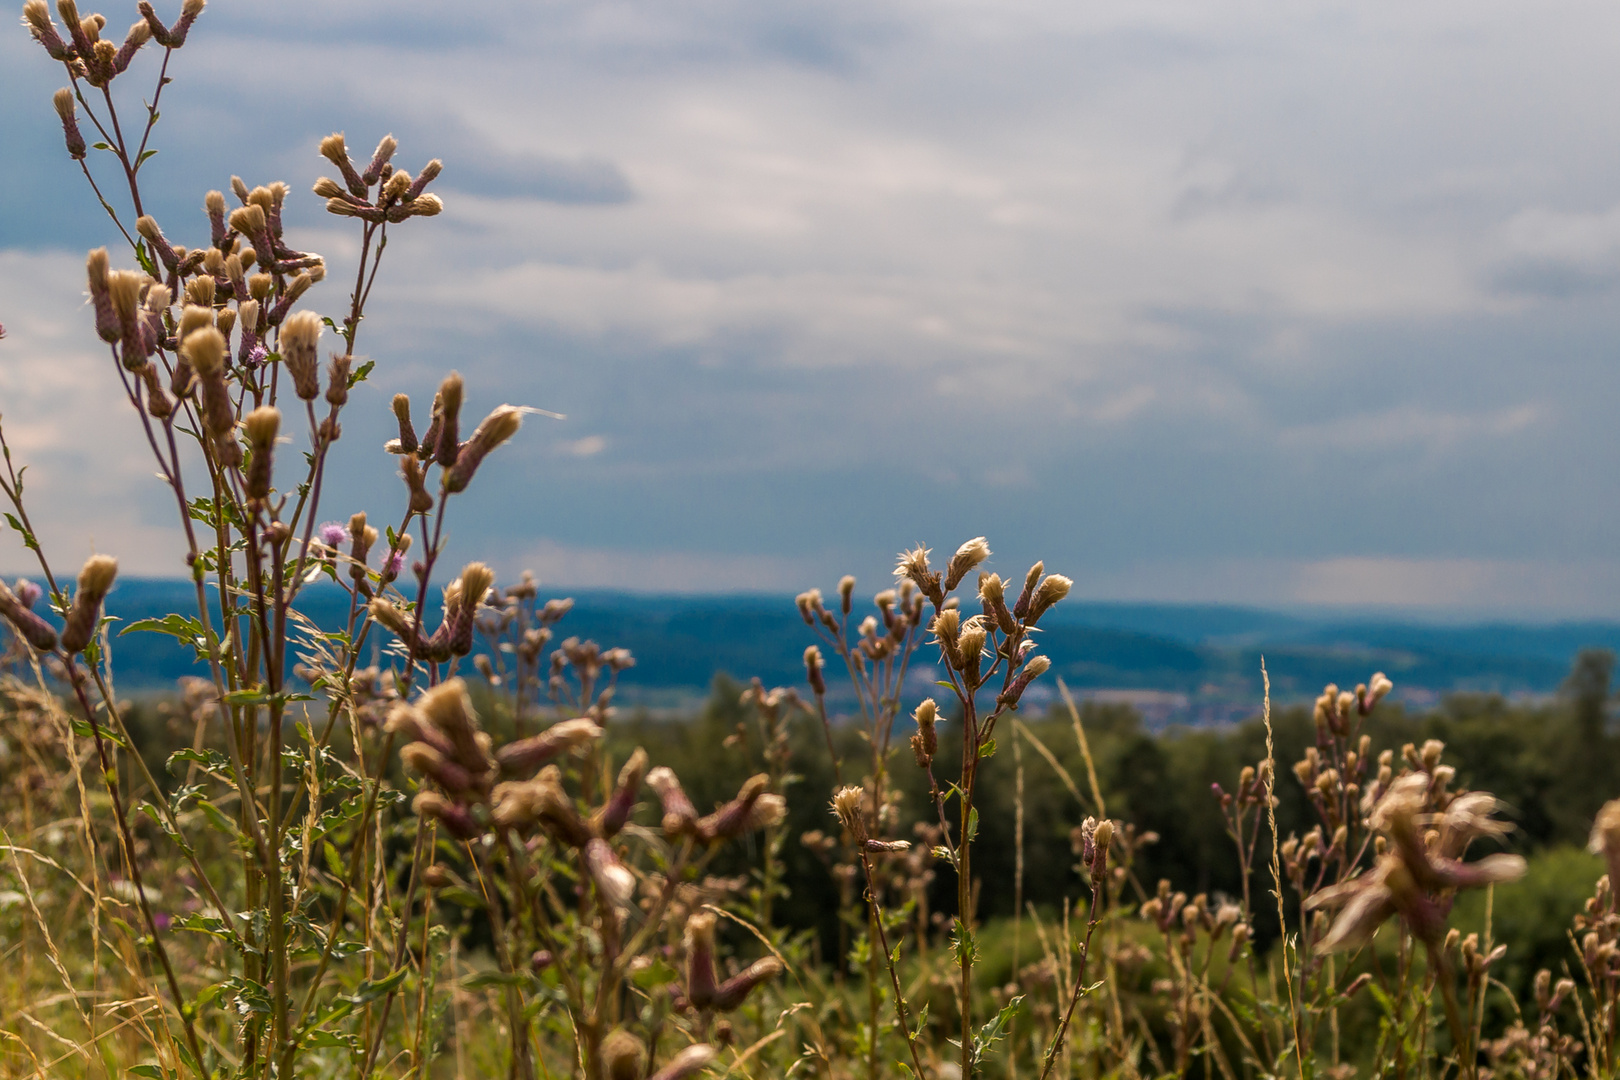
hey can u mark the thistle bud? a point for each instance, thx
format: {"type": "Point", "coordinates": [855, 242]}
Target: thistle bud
{"type": "Point", "coordinates": [407, 433]}
{"type": "Point", "coordinates": [1034, 669]}
{"type": "Point", "coordinates": [138, 35]}
{"type": "Point", "coordinates": [337, 381]}
{"type": "Point", "coordinates": [679, 814]}
{"type": "Point", "coordinates": [692, 1060]}
{"type": "Point", "coordinates": [1021, 606]}
{"type": "Point", "coordinates": [925, 743]}
{"type": "Point", "coordinates": [334, 150]}
{"type": "Point", "coordinates": [158, 405]}
{"type": "Point", "coordinates": [623, 1056]}
{"type": "Point", "coordinates": [385, 151]}
{"type": "Point", "coordinates": [449, 708]}
{"type": "Point", "coordinates": [700, 980]}
{"type": "Point", "coordinates": [37, 14]}
{"type": "Point", "coordinates": [260, 426]}
{"type": "Point", "coordinates": [526, 755]}
{"type": "Point", "coordinates": [733, 818]}
{"type": "Point", "coordinates": [299, 338]}
{"type": "Point", "coordinates": [967, 556]}
{"type": "Point", "coordinates": [1605, 838]}
{"type": "Point", "coordinates": [813, 670]}
{"type": "Point", "coordinates": [448, 443]}
{"type": "Point", "coordinates": [913, 567]}
{"type": "Point", "coordinates": [29, 626]}
{"type": "Point", "coordinates": [107, 326]}
{"type": "Point", "coordinates": [497, 427]}
{"type": "Point", "coordinates": [425, 759]}
{"type": "Point", "coordinates": [1049, 592]}
{"type": "Point", "coordinates": [616, 811]}
{"type": "Point", "coordinates": [124, 290]}
{"type": "Point", "coordinates": [430, 172]}
{"type": "Point", "coordinates": [457, 820]}
{"type": "Point", "coordinates": [95, 579]}
{"type": "Point", "coordinates": [66, 112]}
{"type": "Point", "coordinates": [615, 884]}
{"type": "Point", "coordinates": [428, 205]}
{"type": "Point", "coordinates": [399, 182]}
{"type": "Point", "coordinates": [736, 989]}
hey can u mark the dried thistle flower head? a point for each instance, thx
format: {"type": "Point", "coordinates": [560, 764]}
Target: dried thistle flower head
{"type": "Point", "coordinates": [694, 1059]}
{"type": "Point", "coordinates": [204, 349]}
{"type": "Point", "coordinates": [968, 556]}
{"type": "Point", "coordinates": [925, 743]}
{"type": "Point", "coordinates": [95, 579]}
{"type": "Point", "coordinates": [913, 567]}
{"type": "Point", "coordinates": [813, 665]}
{"type": "Point", "coordinates": [1053, 589]}
{"type": "Point", "coordinates": [448, 403]}
{"type": "Point", "coordinates": [300, 336]}
{"type": "Point", "coordinates": [499, 426]}
{"type": "Point", "coordinates": [1605, 839]}
{"type": "Point", "coordinates": [624, 1056]}
{"type": "Point", "coordinates": [847, 804]}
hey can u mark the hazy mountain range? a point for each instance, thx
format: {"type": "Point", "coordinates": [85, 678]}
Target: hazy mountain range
{"type": "Point", "coordinates": [1176, 663]}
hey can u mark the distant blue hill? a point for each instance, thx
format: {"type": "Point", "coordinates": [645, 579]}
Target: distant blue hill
{"type": "Point", "coordinates": [1186, 663]}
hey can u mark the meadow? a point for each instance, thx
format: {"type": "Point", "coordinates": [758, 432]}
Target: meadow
{"type": "Point", "coordinates": [426, 843]}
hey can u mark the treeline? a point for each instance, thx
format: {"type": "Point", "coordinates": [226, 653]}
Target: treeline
{"type": "Point", "coordinates": [1551, 763]}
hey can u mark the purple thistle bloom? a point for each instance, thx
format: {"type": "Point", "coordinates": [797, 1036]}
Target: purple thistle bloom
{"type": "Point", "coordinates": [333, 534]}
{"type": "Point", "coordinates": [396, 563]}
{"type": "Point", "coordinates": [27, 592]}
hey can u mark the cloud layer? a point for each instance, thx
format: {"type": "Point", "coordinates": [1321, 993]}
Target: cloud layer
{"type": "Point", "coordinates": [1323, 291]}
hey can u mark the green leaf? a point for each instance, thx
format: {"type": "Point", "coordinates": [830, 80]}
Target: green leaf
{"type": "Point", "coordinates": [211, 760]}
{"type": "Point", "coordinates": [495, 978]}
{"type": "Point", "coordinates": [83, 730]}
{"type": "Point", "coordinates": [142, 159]}
{"type": "Point", "coordinates": [329, 1038]}
{"type": "Point", "coordinates": [360, 373]}
{"type": "Point", "coordinates": [27, 537]}
{"type": "Point", "coordinates": [156, 1072]}
{"type": "Point", "coordinates": [99, 146]}
{"type": "Point", "coordinates": [994, 1029]}
{"type": "Point", "coordinates": [370, 991]}
{"type": "Point", "coordinates": [987, 749]}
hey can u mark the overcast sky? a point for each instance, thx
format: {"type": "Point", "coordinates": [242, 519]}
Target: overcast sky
{"type": "Point", "coordinates": [1277, 303]}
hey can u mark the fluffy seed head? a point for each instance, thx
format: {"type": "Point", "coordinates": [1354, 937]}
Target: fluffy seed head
{"type": "Point", "coordinates": [124, 286]}
{"type": "Point", "coordinates": [967, 556]}
{"type": "Point", "coordinates": [624, 1056]}
{"type": "Point", "coordinates": [300, 336]}
{"type": "Point", "coordinates": [205, 349]}
{"type": "Point", "coordinates": [334, 150]}
{"type": "Point", "coordinates": [63, 100]}
{"type": "Point", "coordinates": [248, 220]}
{"type": "Point", "coordinates": [1049, 592]}
{"type": "Point", "coordinates": [262, 424]}
{"type": "Point", "coordinates": [95, 265]}
{"type": "Point", "coordinates": [847, 803]}
{"type": "Point", "coordinates": [96, 577]}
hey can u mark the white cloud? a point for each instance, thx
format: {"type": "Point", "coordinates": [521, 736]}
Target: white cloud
{"type": "Point", "coordinates": [1152, 251]}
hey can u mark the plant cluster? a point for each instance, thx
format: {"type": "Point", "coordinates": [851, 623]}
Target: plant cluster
{"type": "Point", "coordinates": [409, 846]}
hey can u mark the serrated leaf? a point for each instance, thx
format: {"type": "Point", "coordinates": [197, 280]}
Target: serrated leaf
{"type": "Point", "coordinates": [211, 760]}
